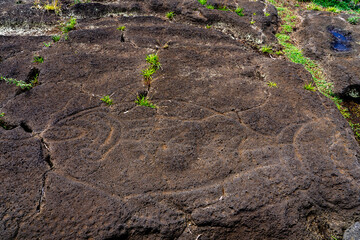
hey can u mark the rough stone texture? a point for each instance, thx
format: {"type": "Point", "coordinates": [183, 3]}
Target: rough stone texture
{"type": "Point", "coordinates": [222, 157]}
{"type": "Point", "coordinates": [342, 68]}
{"type": "Point", "coordinates": [353, 232]}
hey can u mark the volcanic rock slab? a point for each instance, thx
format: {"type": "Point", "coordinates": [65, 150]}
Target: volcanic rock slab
{"type": "Point", "coordinates": [223, 156]}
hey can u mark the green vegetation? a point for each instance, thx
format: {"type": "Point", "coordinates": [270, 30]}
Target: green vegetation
{"type": "Point", "coordinates": [144, 101]}
{"type": "Point", "coordinates": [21, 84]}
{"type": "Point", "coordinates": [153, 59]}
{"type": "Point", "coordinates": [310, 87]}
{"type": "Point", "coordinates": [38, 59]}
{"type": "Point", "coordinates": [121, 28]}
{"type": "Point", "coordinates": [2, 122]}
{"type": "Point", "coordinates": [170, 15]}
{"type": "Point", "coordinates": [69, 25]}
{"type": "Point", "coordinates": [54, 6]}
{"type": "Point", "coordinates": [252, 21]}
{"type": "Point", "coordinates": [266, 14]}
{"type": "Point", "coordinates": [202, 2]}
{"type": "Point", "coordinates": [208, 26]}
{"type": "Point", "coordinates": [333, 9]}
{"type": "Point", "coordinates": [106, 99]}
{"type": "Point", "coordinates": [272, 84]}
{"type": "Point", "coordinates": [47, 44]}
{"type": "Point", "coordinates": [313, 6]}
{"type": "Point", "coordinates": [56, 38]}
{"type": "Point", "coordinates": [147, 74]}
{"type": "Point", "coordinates": [266, 49]}
{"type": "Point", "coordinates": [210, 7]}
{"type": "Point", "coordinates": [239, 11]}
{"type": "Point", "coordinates": [223, 8]}
{"type": "Point", "coordinates": [341, 5]}
{"type": "Point", "coordinates": [353, 20]}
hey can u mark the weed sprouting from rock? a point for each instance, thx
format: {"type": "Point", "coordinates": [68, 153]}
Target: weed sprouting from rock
{"type": "Point", "coordinates": [69, 25]}
{"type": "Point", "coordinates": [153, 59]}
{"type": "Point", "coordinates": [121, 28]}
{"type": "Point", "coordinates": [353, 20]}
{"type": "Point", "coordinates": [202, 2]}
{"type": "Point", "coordinates": [56, 38]}
{"type": "Point", "coordinates": [239, 11]}
{"type": "Point", "coordinates": [144, 101]}
{"type": "Point", "coordinates": [106, 99]}
{"type": "Point", "coordinates": [18, 83]}
{"type": "Point", "coordinates": [310, 87]}
{"type": "Point", "coordinates": [38, 59]}
{"type": "Point", "coordinates": [272, 84]}
{"type": "Point", "coordinates": [170, 15]}
{"type": "Point", "coordinates": [266, 49]}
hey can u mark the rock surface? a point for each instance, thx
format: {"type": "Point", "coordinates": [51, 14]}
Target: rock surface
{"type": "Point", "coordinates": [222, 157]}
{"type": "Point", "coordinates": [353, 232]}
{"type": "Point", "coordinates": [341, 66]}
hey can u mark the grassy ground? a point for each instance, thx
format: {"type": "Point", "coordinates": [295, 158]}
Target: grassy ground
{"type": "Point", "coordinates": [289, 11]}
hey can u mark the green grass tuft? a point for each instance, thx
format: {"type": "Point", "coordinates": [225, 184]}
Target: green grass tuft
{"type": "Point", "coordinates": [106, 99]}
{"type": "Point", "coordinates": [38, 59]}
{"type": "Point", "coordinates": [170, 15]}
{"type": "Point", "coordinates": [240, 11]}
{"type": "Point", "coordinates": [272, 84]}
{"type": "Point", "coordinates": [309, 87]}
{"type": "Point", "coordinates": [353, 20]}
{"type": "Point", "coordinates": [21, 84]}
{"type": "Point", "coordinates": [144, 101]}
{"type": "Point", "coordinates": [121, 28]}
{"type": "Point", "coordinates": [202, 2]}
{"type": "Point", "coordinates": [69, 25]}
{"type": "Point", "coordinates": [56, 38]}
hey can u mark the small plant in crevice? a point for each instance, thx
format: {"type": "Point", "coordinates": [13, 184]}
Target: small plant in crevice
{"type": "Point", "coordinates": [121, 28]}
{"type": "Point", "coordinates": [53, 6]}
{"type": "Point", "coordinates": [272, 84]}
{"type": "Point", "coordinates": [313, 6]}
{"type": "Point", "coordinates": [353, 20]}
{"type": "Point", "coordinates": [210, 7]}
{"type": "Point", "coordinates": [153, 59]}
{"type": "Point", "coordinates": [147, 74]}
{"type": "Point", "coordinates": [38, 59]}
{"type": "Point", "coordinates": [239, 11]}
{"type": "Point", "coordinates": [344, 111]}
{"type": "Point", "coordinates": [170, 15]}
{"type": "Point", "coordinates": [142, 100]}
{"type": "Point", "coordinates": [47, 44]}
{"type": "Point", "coordinates": [56, 38]}
{"type": "Point", "coordinates": [69, 25]}
{"type": "Point", "coordinates": [208, 26]}
{"type": "Point", "coordinates": [5, 125]}
{"type": "Point", "coordinates": [333, 9]}
{"type": "Point", "coordinates": [202, 2]}
{"type": "Point", "coordinates": [266, 14]}
{"type": "Point", "coordinates": [223, 8]}
{"type": "Point", "coordinates": [106, 99]}
{"type": "Point", "coordinates": [266, 49]}
{"type": "Point", "coordinates": [310, 87]}
{"type": "Point", "coordinates": [18, 83]}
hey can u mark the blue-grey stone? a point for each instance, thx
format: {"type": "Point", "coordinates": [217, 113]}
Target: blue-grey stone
{"type": "Point", "coordinates": [353, 232]}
